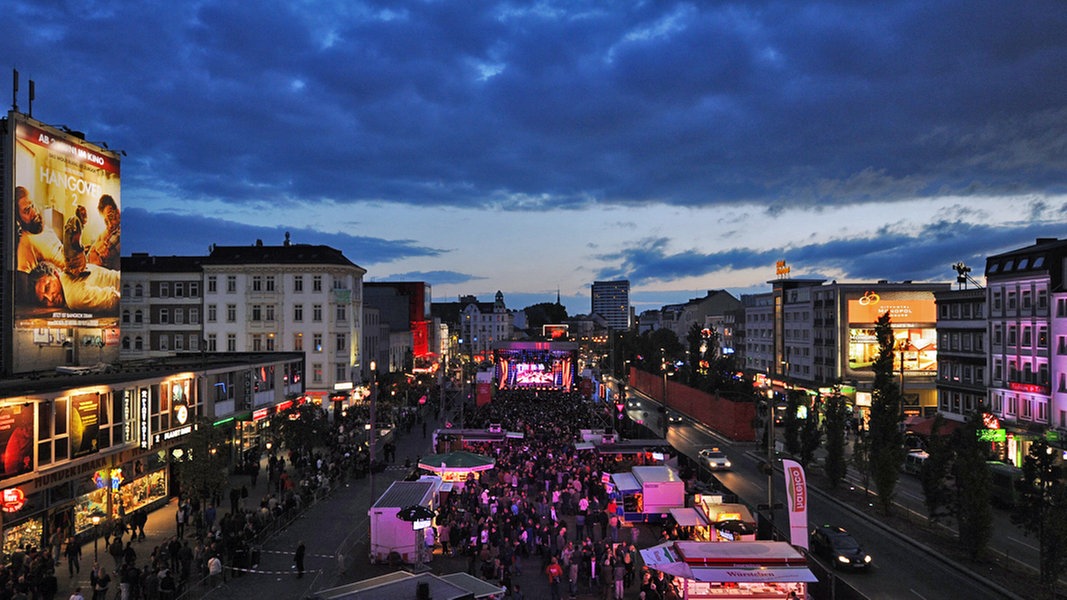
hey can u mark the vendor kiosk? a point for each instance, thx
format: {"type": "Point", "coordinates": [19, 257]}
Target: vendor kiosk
{"type": "Point", "coordinates": [739, 570]}
{"type": "Point", "coordinates": [649, 493]}
{"type": "Point", "coordinates": [389, 533]}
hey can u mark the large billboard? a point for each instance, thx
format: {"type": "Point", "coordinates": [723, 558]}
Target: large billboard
{"type": "Point", "coordinates": [66, 242]}
{"type": "Point", "coordinates": [913, 318]}
{"type": "Point", "coordinates": [538, 367]}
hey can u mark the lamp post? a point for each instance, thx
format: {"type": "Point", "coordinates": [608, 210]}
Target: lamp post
{"type": "Point", "coordinates": [96, 534]}
{"type": "Point", "coordinates": [373, 438]}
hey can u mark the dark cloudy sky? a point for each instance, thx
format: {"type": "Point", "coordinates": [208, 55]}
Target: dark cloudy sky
{"type": "Point", "coordinates": [530, 147]}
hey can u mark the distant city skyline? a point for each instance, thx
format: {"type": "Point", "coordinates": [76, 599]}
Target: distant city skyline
{"type": "Point", "coordinates": [529, 149]}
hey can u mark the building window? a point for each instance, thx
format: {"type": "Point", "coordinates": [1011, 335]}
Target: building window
{"type": "Point", "coordinates": [164, 289]}
{"type": "Point", "coordinates": [231, 342]}
{"type": "Point", "coordinates": [194, 289]}
{"type": "Point", "coordinates": [268, 312]}
{"type": "Point", "coordinates": [179, 316]}
{"type": "Point", "coordinates": [316, 342]}
{"type": "Point", "coordinates": [316, 372]}
{"type": "Point", "coordinates": [138, 343]}
{"type": "Point", "coordinates": [125, 315]}
{"type": "Point", "coordinates": [342, 342]}
{"type": "Point", "coordinates": [164, 341]}
{"type": "Point", "coordinates": [269, 283]}
{"type": "Point", "coordinates": [212, 313]}
{"type": "Point", "coordinates": [257, 343]}
{"type": "Point", "coordinates": [179, 342]}
{"type": "Point", "coordinates": [339, 283]}
{"type": "Point", "coordinates": [270, 343]}
{"type": "Point", "coordinates": [1028, 301]}
{"type": "Point", "coordinates": [231, 284]}
{"type": "Point", "coordinates": [126, 342]}
{"type": "Point", "coordinates": [298, 283]}
{"type": "Point", "coordinates": [298, 313]}
{"type": "Point", "coordinates": [212, 343]}
{"type": "Point", "coordinates": [257, 283]}
{"type": "Point", "coordinates": [298, 342]}
{"type": "Point", "coordinates": [340, 372]}
{"type": "Point", "coordinates": [212, 284]}
{"type": "Point", "coordinates": [194, 316]}
{"type": "Point", "coordinates": [194, 343]}
{"type": "Point", "coordinates": [257, 312]}
{"type": "Point", "coordinates": [231, 313]}
{"type": "Point", "coordinates": [1027, 338]}
{"type": "Point", "coordinates": [179, 289]}
{"type": "Point", "coordinates": [341, 313]}
{"type": "Point", "coordinates": [138, 291]}
{"type": "Point", "coordinates": [1042, 336]}
{"type": "Point", "coordinates": [316, 313]}
{"type": "Point", "coordinates": [316, 283]}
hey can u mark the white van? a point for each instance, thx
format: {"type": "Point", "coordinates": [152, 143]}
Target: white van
{"type": "Point", "coordinates": [913, 461]}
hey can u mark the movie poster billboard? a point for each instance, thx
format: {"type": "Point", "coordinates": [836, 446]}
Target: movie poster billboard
{"type": "Point", "coordinates": [66, 207]}
{"type": "Point", "coordinates": [84, 424]}
{"type": "Point", "coordinates": [16, 439]}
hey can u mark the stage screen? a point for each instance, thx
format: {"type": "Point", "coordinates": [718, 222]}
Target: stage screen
{"type": "Point", "coordinates": [534, 369]}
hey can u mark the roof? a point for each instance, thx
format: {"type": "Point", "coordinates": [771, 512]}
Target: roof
{"type": "Point", "coordinates": [291, 254]}
{"type": "Point", "coordinates": [45, 382]}
{"type": "Point", "coordinates": [1044, 257]}
{"type": "Point", "coordinates": [655, 474]}
{"type": "Point", "coordinates": [406, 493]}
{"type": "Point", "coordinates": [144, 263]}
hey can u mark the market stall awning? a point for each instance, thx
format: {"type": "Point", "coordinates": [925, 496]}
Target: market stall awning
{"type": "Point", "coordinates": [689, 517]}
{"type": "Point", "coordinates": [460, 460]}
{"type": "Point", "coordinates": [626, 482]}
{"type": "Point", "coordinates": [752, 574]}
{"type": "Point", "coordinates": [729, 562]}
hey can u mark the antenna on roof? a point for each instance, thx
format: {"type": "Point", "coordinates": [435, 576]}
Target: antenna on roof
{"type": "Point", "coordinates": [33, 96]}
{"type": "Point", "coordinates": [15, 90]}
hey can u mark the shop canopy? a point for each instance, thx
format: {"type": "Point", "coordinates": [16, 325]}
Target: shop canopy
{"type": "Point", "coordinates": [689, 517]}
{"type": "Point", "coordinates": [925, 426]}
{"type": "Point", "coordinates": [459, 461]}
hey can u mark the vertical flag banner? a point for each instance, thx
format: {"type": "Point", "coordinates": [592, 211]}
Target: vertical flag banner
{"type": "Point", "coordinates": [796, 488]}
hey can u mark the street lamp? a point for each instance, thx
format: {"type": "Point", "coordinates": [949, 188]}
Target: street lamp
{"type": "Point", "coordinates": [96, 517]}
{"type": "Point", "coordinates": [372, 441]}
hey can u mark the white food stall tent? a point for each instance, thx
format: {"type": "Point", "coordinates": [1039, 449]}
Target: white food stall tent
{"type": "Point", "coordinates": [725, 570]}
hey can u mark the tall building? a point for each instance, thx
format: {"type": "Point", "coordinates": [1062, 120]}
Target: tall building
{"type": "Point", "coordinates": [611, 300]}
{"type": "Point", "coordinates": [1023, 285]}
{"type": "Point", "coordinates": [405, 308]}
{"type": "Point", "coordinates": [962, 344]}
{"type": "Point", "coordinates": [162, 305]}
{"type": "Point", "coordinates": [812, 335]}
{"type": "Point", "coordinates": [293, 297]}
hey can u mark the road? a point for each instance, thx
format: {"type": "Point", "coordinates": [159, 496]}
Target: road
{"type": "Point", "coordinates": [901, 570]}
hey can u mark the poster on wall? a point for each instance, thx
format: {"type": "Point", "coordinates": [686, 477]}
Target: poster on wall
{"type": "Point", "coordinates": [16, 439]}
{"type": "Point", "coordinates": [66, 229]}
{"type": "Point", "coordinates": [84, 424]}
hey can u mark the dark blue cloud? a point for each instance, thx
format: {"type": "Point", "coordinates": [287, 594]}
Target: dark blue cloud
{"type": "Point", "coordinates": [167, 234]}
{"type": "Point", "coordinates": [923, 255]}
{"type": "Point", "coordinates": [563, 103]}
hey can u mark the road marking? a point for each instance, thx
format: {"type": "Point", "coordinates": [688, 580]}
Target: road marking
{"type": "Point", "coordinates": [1022, 543]}
{"type": "Point", "coordinates": [918, 594]}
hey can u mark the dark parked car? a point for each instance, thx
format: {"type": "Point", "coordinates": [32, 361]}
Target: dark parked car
{"type": "Point", "coordinates": [836, 545]}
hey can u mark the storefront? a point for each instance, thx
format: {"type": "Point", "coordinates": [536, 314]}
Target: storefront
{"type": "Point", "coordinates": [28, 516]}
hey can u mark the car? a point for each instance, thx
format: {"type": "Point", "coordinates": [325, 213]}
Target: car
{"type": "Point", "coordinates": [674, 417]}
{"type": "Point", "coordinates": [715, 459]}
{"type": "Point", "coordinates": [837, 546]}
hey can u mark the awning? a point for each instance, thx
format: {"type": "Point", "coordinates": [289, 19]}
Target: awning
{"type": "Point", "coordinates": [626, 482]}
{"type": "Point", "coordinates": [925, 426]}
{"type": "Point", "coordinates": [689, 517]}
{"type": "Point", "coordinates": [584, 446]}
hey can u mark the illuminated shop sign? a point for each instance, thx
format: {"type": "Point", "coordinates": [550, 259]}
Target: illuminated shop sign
{"type": "Point", "coordinates": [260, 413]}
{"type": "Point", "coordinates": [12, 500]}
{"type": "Point", "coordinates": [1028, 388]}
{"type": "Point", "coordinates": [144, 417]}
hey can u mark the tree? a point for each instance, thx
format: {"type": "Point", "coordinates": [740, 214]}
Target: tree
{"type": "Point", "coordinates": [544, 313]}
{"type": "Point", "coordinates": [791, 422]}
{"type": "Point", "coordinates": [972, 505]}
{"type": "Point", "coordinates": [201, 468]}
{"type": "Point", "coordinates": [885, 436]}
{"type": "Point", "coordinates": [835, 418]}
{"type": "Point", "coordinates": [934, 474]}
{"type": "Point", "coordinates": [301, 427]}
{"type": "Point", "coordinates": [1042, 511]}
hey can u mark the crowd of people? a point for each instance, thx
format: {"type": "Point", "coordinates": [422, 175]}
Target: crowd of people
{"type": "Point", "coordinates": [544, 505]}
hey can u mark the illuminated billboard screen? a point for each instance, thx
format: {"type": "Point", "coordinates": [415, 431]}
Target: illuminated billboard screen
{"type": "Point", "coordinates": [535, 369]}
{"type": "Point", "coordinates": [65, 237]}
{"type": "Point", "coordinates": [913, 317]}
{"type": "Point", "coordinates": [84, 425]}
{"type": "Point", "coordinates": [16, 439]}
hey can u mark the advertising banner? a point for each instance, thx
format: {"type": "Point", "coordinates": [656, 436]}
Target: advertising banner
{"type": "Point", "coordinates": [796, 488]}
{"type": "Point", "coordinates": [67, 231]}
{"type": "Point", "coordinates": [84, 424]}
{"type": "Point", "coordinates": [16, 439]}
